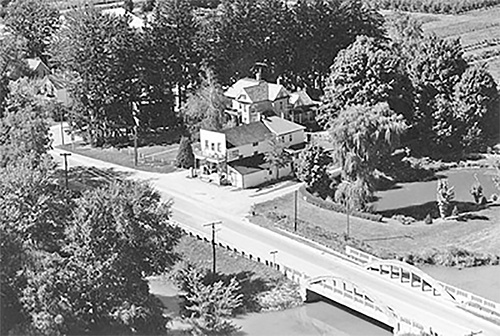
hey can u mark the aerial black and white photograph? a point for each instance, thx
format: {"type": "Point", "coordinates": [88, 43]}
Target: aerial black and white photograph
{"type": "Point", "coordinates": [250, 167]}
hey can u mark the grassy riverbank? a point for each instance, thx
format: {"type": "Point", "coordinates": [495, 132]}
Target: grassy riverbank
{"type": "Point", "coordinates": [267, 288]}
{"type": "Point", "coordinates": [446, 242]}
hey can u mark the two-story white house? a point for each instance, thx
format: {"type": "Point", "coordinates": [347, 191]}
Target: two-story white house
{"type": "Point", "coordinates": [237, 154]}
{"type": "Point", "coordinates": [252, 98]}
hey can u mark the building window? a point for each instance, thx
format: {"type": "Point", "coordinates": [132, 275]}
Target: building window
{"type": "Point", "coordinates": [282, 139]}
{"type": "Point", "coordinates": [213, 146]}
{"type": "Point", "coordinates": [206, 144]}
{"type": "Point", "coordinates": [290, 138]}
{"type": "Point", "coordinates": [218, 147]}
{"type": "Point", "coordinates": [270, 172]}
{"type": "Point", "coordinates": [255, 144]}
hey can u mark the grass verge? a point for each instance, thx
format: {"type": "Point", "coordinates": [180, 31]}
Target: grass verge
{"type": "Point", "coordinates": [158, 159]}
{"type": "Point", "coordinates": [418, 244]}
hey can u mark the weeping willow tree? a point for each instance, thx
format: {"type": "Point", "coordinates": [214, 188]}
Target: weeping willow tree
{"type": "Point", "coordinates": [362, 137]}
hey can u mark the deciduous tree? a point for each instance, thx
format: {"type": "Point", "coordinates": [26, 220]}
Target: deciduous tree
{"type": "Point", "coordinates": [277, 156]}
{"type": "Point", "coordinates": [362, 136]}
{"type": "Point", "coordinates": [205, 107]}
{"type": "Point", "coordinates": [36, 21]}
{"type": "Point", "coordinates": [368, 72]}
{"type": "Point", "coordinates": [312, 167]}
{"type": "Point", "coordinates": [23, 128]}
{"type": "Point", "coordinates": [208, 305]}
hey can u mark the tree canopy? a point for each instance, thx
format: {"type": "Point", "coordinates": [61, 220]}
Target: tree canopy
{"type": "Point", "coordinates": [311, 168]}
{"type": "Point", "coordinates": [36, 21]}
{"type": "Point", "coordinates": [362, 136]}
{"type": "Point", "coordinates": [368, 72]}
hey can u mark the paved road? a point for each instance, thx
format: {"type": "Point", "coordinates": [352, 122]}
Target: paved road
{"type": "Point", "coordinates": [191, 210]}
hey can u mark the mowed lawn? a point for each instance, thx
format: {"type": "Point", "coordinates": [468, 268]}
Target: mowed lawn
{"type": "Point", "coordinates": [157, 158]}
{"type": "Point", "coordinates": [478, 234]}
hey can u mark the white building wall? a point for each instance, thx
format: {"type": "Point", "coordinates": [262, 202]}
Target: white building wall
{"type": "Point", "coordinates": [247, 150]}
{"type": "Point", "coordinates": [213, 143]}
{"type": "Point", "coordinates": [293, 138]}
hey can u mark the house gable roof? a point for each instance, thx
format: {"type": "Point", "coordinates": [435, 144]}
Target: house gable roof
{"type": "Point", "coordinates": [34, 64]}
{"type": "Point", "coordinates": [57, 82]}
{"type": "Point", "coordinates": [280, 126]}
{"type": "Point", "coordinates": [301, 98]}
{"type": "Point", "coordinates": [246, 134]}
{"type": "Point", "coordinates": [250, 90]}
{"type": "Point", "coordinates": [236, 88]}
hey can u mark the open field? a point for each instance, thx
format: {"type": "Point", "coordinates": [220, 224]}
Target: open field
{"type": "Point", "coordinates": [479, 235]}
{"type": "Point", "coordinates": [155, 158]}
{"type": "Point", "coordinates": [479, 32]}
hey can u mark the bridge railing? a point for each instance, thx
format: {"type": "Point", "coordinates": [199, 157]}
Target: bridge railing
{"type": "Point", "coordinates": [289, 272]}
{"type": "Point", "coordinates": [404, 324]}
{"type": "Point", "coordinates": [473, 301]}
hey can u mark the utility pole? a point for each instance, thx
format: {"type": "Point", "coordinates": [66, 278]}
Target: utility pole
{"type": "Point", "coordinates": [62, 128]}
{"type": "Point", "coordinates": [213, 242]}
{"type": "Point", "coordinates": [136, 126]}
{"type": "Point", "coordinates": [135, 146]}
{"type": "Point", "coordinates": [65, 155]}
{"type": "Point", "coordinates": [295, 213]}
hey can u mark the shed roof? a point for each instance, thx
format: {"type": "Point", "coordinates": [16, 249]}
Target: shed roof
{"type": "Point", "coordinates": [250, 165]}
{"type": "Point", "coordinates": [280, 126]}
{"type": "Point", "coordinates": [246, 134]}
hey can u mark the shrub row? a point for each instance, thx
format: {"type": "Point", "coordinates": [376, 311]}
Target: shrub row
{"type": "Point", "coordinates": [337, 207]}
{"type": "Point", "coordinates": [450, 257]}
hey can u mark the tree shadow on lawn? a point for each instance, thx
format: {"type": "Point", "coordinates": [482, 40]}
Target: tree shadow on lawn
{"type": "Point", "coordinates": [420, 211]}
{"type": "Point", "coordinates": [85, 178]}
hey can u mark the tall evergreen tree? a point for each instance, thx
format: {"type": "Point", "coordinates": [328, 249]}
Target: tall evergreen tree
{"type": "Point", "coordinates": [185, 156]}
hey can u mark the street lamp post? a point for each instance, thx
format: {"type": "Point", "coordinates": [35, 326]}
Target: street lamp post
{"type": "Point", "coordinates": [273, 253]}
{"type": "Point", "coordinates": [65, 155]}
{"type": "Point", "coordinates": [212, 224]}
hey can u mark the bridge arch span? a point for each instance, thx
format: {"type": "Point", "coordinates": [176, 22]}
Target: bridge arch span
{"type": "Point", "coordinates": [407, 273]}
{"type": "Point", "coordinates": [353, 296]}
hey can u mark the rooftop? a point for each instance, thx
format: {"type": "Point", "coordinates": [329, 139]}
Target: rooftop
{"type": "Point", "coordinates": [246, 134]}
{"type": "Point", "coordinates": [280, 126]}
{"type": "Point", "coordinates": [301, 98]}
{"type": "Point", "coordinates": [256, 90]}
{"type": "Point", "coordinates": [250, 164]}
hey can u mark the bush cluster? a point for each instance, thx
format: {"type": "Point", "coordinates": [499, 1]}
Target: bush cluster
{"type": "Point", "coordinates": [454, 256]}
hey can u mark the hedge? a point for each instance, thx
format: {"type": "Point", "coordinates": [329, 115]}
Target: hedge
{"type": "Point", "coordinates": [337, 207]}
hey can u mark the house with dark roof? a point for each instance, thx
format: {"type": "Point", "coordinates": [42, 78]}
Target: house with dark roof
{"type": "Point", "coordinates": [238, 152]}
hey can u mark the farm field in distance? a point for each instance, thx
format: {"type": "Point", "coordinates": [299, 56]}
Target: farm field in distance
{"type": "Point", "coordinates": [479, 32]}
